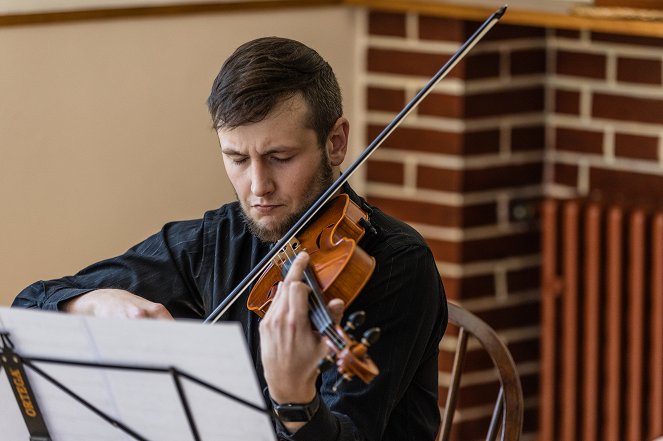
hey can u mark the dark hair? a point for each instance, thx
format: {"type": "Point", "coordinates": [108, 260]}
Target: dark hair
{"type": "Point", "coordinates": [262, 73]}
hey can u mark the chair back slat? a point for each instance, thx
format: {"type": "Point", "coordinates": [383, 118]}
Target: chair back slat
{"type": "Point", "coordinates": [496, 419]}
{"type": "Point", "coordinates": [454, 385]}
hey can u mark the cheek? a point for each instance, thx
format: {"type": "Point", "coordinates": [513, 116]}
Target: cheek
{"type": "Point", "coordinates": [237, 180]}
{"type": "Point", "coordinates": [297, 183]}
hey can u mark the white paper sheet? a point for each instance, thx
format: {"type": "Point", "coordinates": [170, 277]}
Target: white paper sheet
{"type": "Point", "coordinates": [146, 402]}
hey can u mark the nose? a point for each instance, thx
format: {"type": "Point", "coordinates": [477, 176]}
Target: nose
{"type": "Point", "coordinates": [262, 182]}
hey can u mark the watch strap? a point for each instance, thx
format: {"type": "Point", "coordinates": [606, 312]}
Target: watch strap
{"type": "Point", "coordinates": [296, 412]}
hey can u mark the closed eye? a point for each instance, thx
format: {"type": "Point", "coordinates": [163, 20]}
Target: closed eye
{"type": "Point", "coordinates": [237, 160]}
{"type": "Point", "coordinates": [280, 159]}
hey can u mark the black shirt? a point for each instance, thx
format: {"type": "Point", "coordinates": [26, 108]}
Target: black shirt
{"type": "Point", "coordinates": [190, 266]}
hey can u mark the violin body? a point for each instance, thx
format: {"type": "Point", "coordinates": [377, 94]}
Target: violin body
{"type": "Point", "coordinates": [341, 267]}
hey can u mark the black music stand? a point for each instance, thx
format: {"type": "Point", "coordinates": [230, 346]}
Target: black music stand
{"type": "Point", "coordinates": [81, 378]}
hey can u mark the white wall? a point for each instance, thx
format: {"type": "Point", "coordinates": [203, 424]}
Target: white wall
{"type": "Point", "coordinates": [104, 134]}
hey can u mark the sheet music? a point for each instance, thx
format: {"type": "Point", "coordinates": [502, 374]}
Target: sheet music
{"type": "Point", "coordinates": [147, 402]}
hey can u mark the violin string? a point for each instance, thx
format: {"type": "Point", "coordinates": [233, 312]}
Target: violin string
{"type": "Point", "coordinates": [319, 313]}
{"type": "Point", "coordinates": [325, 323]}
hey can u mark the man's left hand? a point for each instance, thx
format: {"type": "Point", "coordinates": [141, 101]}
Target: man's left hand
{"type": "Point", "coordinates": [290, 348]}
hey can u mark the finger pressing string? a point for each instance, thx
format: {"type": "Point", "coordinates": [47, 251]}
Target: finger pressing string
{"type": "Point", "coordinates": [296, 271]}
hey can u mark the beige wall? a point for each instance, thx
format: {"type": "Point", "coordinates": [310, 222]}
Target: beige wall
{"type": "Point", "coordinates": [104, 134]}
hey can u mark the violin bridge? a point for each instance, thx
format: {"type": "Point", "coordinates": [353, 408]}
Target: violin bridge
{"type": "Point", "coordinates": [288, 252]}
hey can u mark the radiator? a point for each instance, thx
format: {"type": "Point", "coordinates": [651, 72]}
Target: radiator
{"type": "Point", "coordinates": [602, 322]}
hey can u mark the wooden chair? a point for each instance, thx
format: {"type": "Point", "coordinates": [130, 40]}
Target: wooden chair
{"type": "Point", "coordinates": [508, 411]}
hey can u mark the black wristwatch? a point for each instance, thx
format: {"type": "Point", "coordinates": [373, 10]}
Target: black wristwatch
{"type": "Point", "coordinates": [294, 412]}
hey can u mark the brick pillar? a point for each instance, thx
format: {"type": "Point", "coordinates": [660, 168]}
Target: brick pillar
{"type": "Point", "coordinates": [465, 169]}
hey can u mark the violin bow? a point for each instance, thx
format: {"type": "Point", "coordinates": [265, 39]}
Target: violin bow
{"type": "Point", "coordinates": [363, 157]}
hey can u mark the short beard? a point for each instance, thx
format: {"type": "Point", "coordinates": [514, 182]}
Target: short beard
{"type": "Point", "coordinates": [322, 180]}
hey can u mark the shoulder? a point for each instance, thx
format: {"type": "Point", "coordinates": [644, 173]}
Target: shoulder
{"type": "Point", "coordinates": [225, 220]}
{"type": "Point", "coordinates": [393, 235]}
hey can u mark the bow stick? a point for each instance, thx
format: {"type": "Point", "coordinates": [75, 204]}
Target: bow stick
{"type": "Point", "coordinates": [363, 157]}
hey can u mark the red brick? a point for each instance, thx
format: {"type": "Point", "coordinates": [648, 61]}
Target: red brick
{"type": "Point", "coordinates": [581, 64]}
{"type": "Point", "coordinates": [528, 138]}
{"type": "Point", "coordinates": [385, 171]}
{"type": "Point", "coordinates": [628, 39]}
{"type": "Point", "coordinates": [567, 33]}
{"type": "Point", "coordinates": [407, 62]}
{"type": "Point", "coordinates": [440, 179]}
{"type": "Point", "coordinates": [503, 176]}
{"type": "Point", "coordinates": [443, 29]}
{"type": "Point", "coordinates": [423, 140]}
{"type": "Point", "coordinates": [625, 108]}
{"type": "Point", "coordinates": [442, 104]}
{"type": "Point", "coordinates": [626, 185]}
{"type": "Point", "coordinates": [389, 100]}
{"type": "Point", "coordinates": [505, 102]}
{"type": "Point", "coordinates": [636, 146]}
{"type": "Point", "coordinates": [577, 140]}
{"type": "Point", "coordinates": [451, 143]}
{"type": "Point", "coordinates": [524, 279]}
{"type": "Point", "coordinates": [639, 70]}
{"type": "Point", "coordinates": [526, 314]}
{"type": "Point", "coordinates": [501, 247]}
{"type": "Point", "coordinates": [386, 23]}
{"type": "Point", "coordinates": [566, 174]}
{"type": "Point", "coordinates": [567, 101]}
{"type": "Point", "coordinates": [446, 250]}
{"type": "Point", "coordinates": [474, 395]}
{"type": "Point", "coordinates": [488, 178]}
{"type": "Point", "coordinates": [486, 249]}
{"type": "Point", "coordinates": [478, 359]}
{"type": "Point", "coordinates": [435, 214]}
{"type": "Point", "coordinates": [527, 62]}
{"type": "Point", "coordinates": [481, 142]}
{"type": "Point", "coordinates": [513, 32]}
{"type": "Point", "coordinates": [469, 286]}
{"type": "Point", "coordinates": [482, 65]}
{"type": "Point", "coordinates": [485, 104]}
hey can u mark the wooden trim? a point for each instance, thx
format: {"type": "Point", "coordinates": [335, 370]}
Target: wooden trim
{"type": "Point", "coordinates": [155, 11]}
{"type": "Point", "coordinates": [517, 17]}
{"type": "Point", "coordinates": [513, 16]}
{"type": "Point", "coordinates": [646, 4]}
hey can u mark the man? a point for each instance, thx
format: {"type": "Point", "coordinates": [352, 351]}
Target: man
{"type": "Point", "coordinates": [276, 106]}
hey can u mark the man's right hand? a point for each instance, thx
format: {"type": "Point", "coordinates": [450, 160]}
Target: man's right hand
{"type": "Point", "coordinates": [116, 303]}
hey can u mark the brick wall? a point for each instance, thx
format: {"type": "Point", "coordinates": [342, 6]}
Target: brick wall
{"type": "Point", "coordinates": [462, 169]}
{"type": "Point", "coordinates": [605, 123]}
{"type": "Point", "coordinates": [530, 112]}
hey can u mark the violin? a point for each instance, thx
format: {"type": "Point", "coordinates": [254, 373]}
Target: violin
{"type": "Point", "coordinates": [338, 267]}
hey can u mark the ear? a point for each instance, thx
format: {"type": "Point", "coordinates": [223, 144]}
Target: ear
{"type": "Point", "coordinates": [337, 141]}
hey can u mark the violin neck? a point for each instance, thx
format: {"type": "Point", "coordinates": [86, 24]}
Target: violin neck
{"type": "Point", "coordinates": [319, 313]}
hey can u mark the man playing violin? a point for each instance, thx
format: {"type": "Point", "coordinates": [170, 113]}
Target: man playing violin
{"type": "Point", "coordinates": [276, 106]}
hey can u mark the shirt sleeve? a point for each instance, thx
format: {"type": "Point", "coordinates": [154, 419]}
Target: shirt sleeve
{"type": "Point", "coordinates": [161, 269]}
{"type": "Point", "coordinates": [405, 299]}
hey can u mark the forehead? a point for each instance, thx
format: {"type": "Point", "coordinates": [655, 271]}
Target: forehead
{"type": "Point", "coordinates": [286, 125]}
{"type": "Point", "coordinates": [293, 108]}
